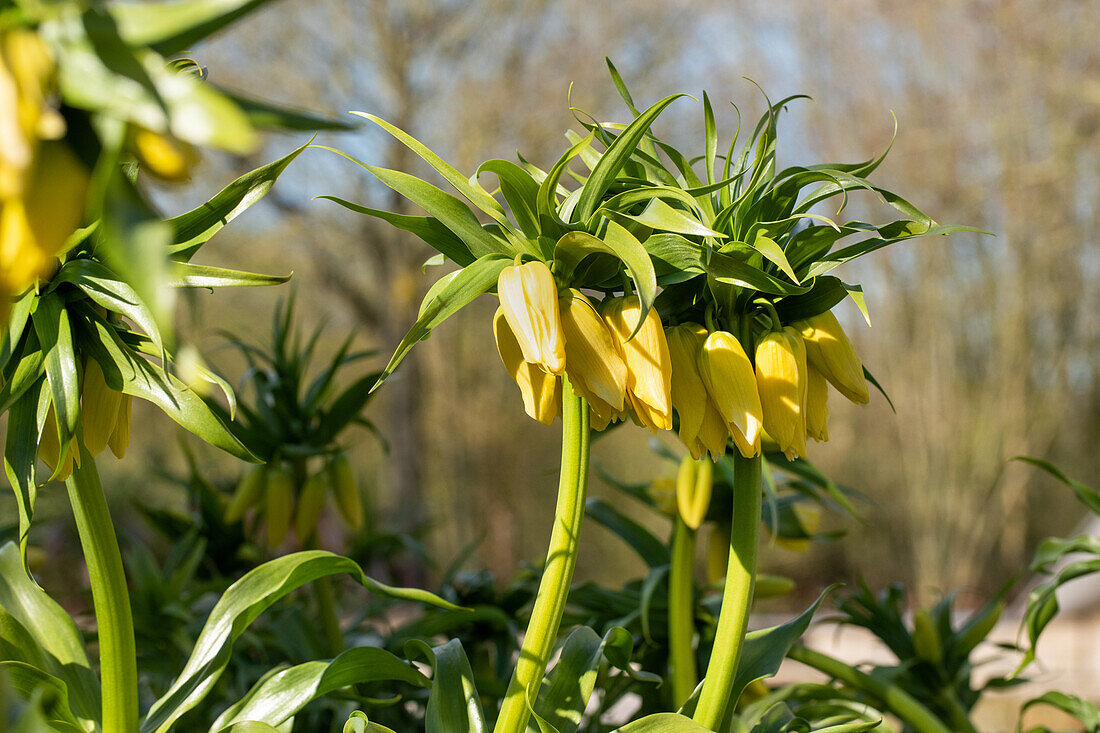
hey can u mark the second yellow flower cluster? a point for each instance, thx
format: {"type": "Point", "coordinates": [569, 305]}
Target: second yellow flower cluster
{"type": "Point", "coordinates": [644, 372]}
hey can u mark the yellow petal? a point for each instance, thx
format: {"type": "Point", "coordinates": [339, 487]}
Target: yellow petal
{"type": "Point", "coordinates": [594, 360]}
{"type": "Point", "coordinates": [540, 391]}
{"type": "Point", "coordinates": [689, 395]}
{"type": "Point", "coordinates": [817, 409]}
{"type": "Point", "coordinates": [120, 438]}
{"type": "Point", "coordinates": [831, 353]}
{"type": "Point", "coordinates": [163, 156]}
{"type": "Point", "coordinates": [781, 378]}
{"type": "Point", "coordinates": [98, 408]}
{"type": "Point", "coordinates": [730, 382]}
{"type": "Point", "coordinates": [529, 299]}
{"type": "Point", "coordinates": [648, 364]}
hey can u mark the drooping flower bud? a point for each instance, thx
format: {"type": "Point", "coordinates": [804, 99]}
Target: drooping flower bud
{"type": "Point", "coordinates": [310, 503]}
{"type": "Point", "coordinates": [98, 408]}
{"type": "Point", "coordinates": [278, 504]}
{"type": "Point", "coordinates": [727, 374]}
{"type": "Point", "coordinates": [346, 490]}
{"type": "Point", "coordinates": [701, 427]}
{"type": "Point", "coordinates": [817, 411]}
{"type": "Point", "coordinates": [831, 353]}
{"type": "Point", "coordinates": [529, 299]}
{"type": "Point", "coordinates": [594, 360]}
{"type": "Point", "coordinates": [648, 364]}
{"type": "Point", "coordinates": [541, 392]}
{"type": "Point", "coordinates": [694, 484]}
{"type": "Point", "coordinates": [781, 378]}
{"type": "Point", "coordinates": [249, 492]}
{"type": "Point", "coordinates": [120, 437]}
{"type": "Point", "coordinates": [663, 493]}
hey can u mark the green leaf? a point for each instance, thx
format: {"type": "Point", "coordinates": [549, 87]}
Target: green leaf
{"type": "Point", "coordinates": [520, 191]}
{"type": "Point", "coordinates": [1080, 709]}
{"type": "Point", "coordinates": [174, 26]}
{"type": "Point", "coordinates": [1085, 494]}
{"type": "Point", "coordinates": [432, 231]}
{"type": "Point", "coordinates": [477, 278]}
{"type": "Point", "coordinates": [448, 209]}
{"type": "Point", "coordinates": [187, 275]}
{"type": "Point", "coordinates": [20, 455]}
{"type": "Point", "coordinates": [110, 291]}
{"type": "Point", "coordinates": [823, 294]}
{"type": "Point", "coordinates": [662, 217]}
{"type": "Point", "coordinates": [31, 684]}
{"type": "Point", "coordinates": [641, 540]}
{"type": "Point", "coordinates": [674, 252]}
{"type": "Point", "coordinates": [239, 606]}
{"type": "Point", "coordinates": [874, 243]}
{"type": "Point", "coordinates": [614, 158]}
{"type": "Point", "coordinates": [663, 723]}
{"type": "Point", "coordinates": [52, 630]}
{"type": "Point", "coordinates": [279, 696]}
{"type": "Point", "coordinates": [125, 370]}
{"type": "Point", "coordinates": [266, 114]}
{"type": "Point", "coordinates": [773, 252]}
{"type": "Point", "coordinates": [17, 322]}
{"type": "Point", "coordinates": [453, 704]}
{"type": "Point", "coordinates": [618, 242]}
{"type": "Point", "coordinates": [193, 229]}
{"type": "Point", "coordinates": [51, 323]}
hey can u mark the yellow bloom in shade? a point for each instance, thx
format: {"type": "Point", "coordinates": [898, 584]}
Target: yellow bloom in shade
{"type": "Point", "coordinates": [648, 364]}
{"type": "Point", "coordinates": [529, 299]}
{"type": "Point", "coordinates": [162, 155]}
{"type": "Point", "coordinates": [49, 448]}
{"type": "Point", "coordinates": [782, 380]}
{"type": "Point", "coordinates": [120, 438]}
{"type": "Point", "coordinates": [541, 392]}
{"type": "Point", "coordinates": [831, 353]}
{"type": "Point", "coordinates": [817, 411]}
{"type": "Point", "coordinates": [701, 428]}
{"type": "Point", "coordinates": [98, 408]}
{"type": "Point", "coordinates": [727, 374]}
{"type": "Point", "coordinates": [594, 360]}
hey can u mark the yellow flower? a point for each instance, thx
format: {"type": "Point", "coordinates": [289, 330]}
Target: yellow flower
{"type": "Point", "coordinates": [541, 392]}
{"type": "Point", "coordinates": [49, 449]}
{"type": "Point", "coordinates": [728, 376]}
{"type": "Point", "coordinates": [694, 484]}
{"type": "Point", "coordinates": [120, 438]}
{"type": "Point", "coordinates": [25, 114]}
{"type": "Point", "coordinates": [99, 405]}
{"type": "Point", "coordinates": [162, 155]}
{"type": "Point", "coordinates": [831, 353]}
{"type": "Point", "coordinates": [817, 411]}
{"type": "Point", "coordinates": [594, 360]}
{"type": "Point", "coordinates": [529, 299]}
{"type": "Point", "coordinates": [663, 492]}
{"type": "Point", "coordinates": [701, 427]}
{"type": "Point", "coordinates": [648, 364]}
{"type": "Point", "coordinates": [782, 380]}
{"type": "Point", "coordinates": [346, 490]}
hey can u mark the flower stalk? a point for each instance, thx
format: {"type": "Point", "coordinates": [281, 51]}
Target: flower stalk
{"type": "Point", "coordinates": [681, 615]}
{"type": "Point", "coordinates": [110, 597]}
{"type": "Point", "coordinates": [561, 559]}
{"type": "Point", "coordinates": [714, 698]}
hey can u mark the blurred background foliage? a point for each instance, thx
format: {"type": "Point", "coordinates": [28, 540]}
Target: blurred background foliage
{"type": "Point", "coordinates": [987, 346]}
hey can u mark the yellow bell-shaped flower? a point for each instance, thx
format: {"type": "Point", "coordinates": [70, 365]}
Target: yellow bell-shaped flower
{"type": "Point", "coordinates": [529, 299]}
{"type": "Point", "coordinates": [99, 405]}
{"type": "Point", "coordinates": [701, 428]}
{"type": "Point", "coordinates": [817, 411]}
{"type": "Point", "coordinates": [25, 114]}
{"type": "Point", "coordinates": [648, 364]}
{"type": "Point", "coordinates": [782, 380]}
{"type": "Point", "coordinates": [594, 360]}
{"type": "Point", "coordinates": [541, 391]}
{"type": "Point", "coordinates": [831, 353]}
{"type": "Point", "coordinates": [120, 438]}
{"type": "Point", "coordinates": [730, 382]}
{"type": "Point", "coordinates": [163, 156]}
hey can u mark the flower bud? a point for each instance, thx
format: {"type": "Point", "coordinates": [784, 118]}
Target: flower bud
{"type": "Point", "coordinates": [727, 374]}
{"type": "Point", "coordinates": [120, 437]}
{"type": "Point", "coordinates": [701, 428]}
{"type": "Point", "coordinates": [781, 378]}
{"type": "Point", "coordinates": [98, 408]}
{"type": "Point", "coordinates": [310, 503]}
{"type": "Point", "coordinates": [278, 504]}
{"type": "Point", "coordinates": [163, 156]}
{"type": "Point", "coordinates": [346, 490]}
{"type": "Point", "coordinates": [594, 360]}
{"type": "Point", "coordinates": [529, 299]}
{"type": "Point", "coordinates": [250, 490]}
{"type": "Point", "coordinates": [541, 392]}
{"type": "Point", "coordinates": [694, 484]}
{"type": "Point", "coordinates": [831, 353]}
{"type": "Point", "coordinates": [648, 363]}
{"type": "Point", "coordinates": [817, 411]}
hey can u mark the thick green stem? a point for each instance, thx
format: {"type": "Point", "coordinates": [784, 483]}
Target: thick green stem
{"type": "Point", "coordinates": [681, 614]}
{"type": "Point", "coordinates": [737, 596]}
{"type": "Point", "coordinates": [110, 597]}
{"type": "Point", "coordinates": [891, 697]}
{"type": "Point", "coordinates": [561, 558]}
